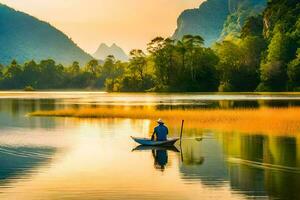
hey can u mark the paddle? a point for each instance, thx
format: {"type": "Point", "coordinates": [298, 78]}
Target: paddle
{"type": "Point", "coordinates": [182, 123]}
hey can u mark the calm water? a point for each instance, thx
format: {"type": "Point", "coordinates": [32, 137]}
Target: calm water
{"type": "Point", "coordinates": [65, 158]}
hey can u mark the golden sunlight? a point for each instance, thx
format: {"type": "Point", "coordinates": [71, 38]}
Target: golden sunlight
{"type": "Point", "coordinates": [265, 120]}
{"type": "Point", "coordinates": [119, 21]}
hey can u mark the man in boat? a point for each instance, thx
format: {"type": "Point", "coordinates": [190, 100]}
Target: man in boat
{"type": "Point", "coordinates": [161, 131]}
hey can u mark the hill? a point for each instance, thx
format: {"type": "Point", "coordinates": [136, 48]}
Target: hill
{"type": "Point", "coordinates": [214, 19]}
{"type": "Point", "coordinates": [239, 12]}
{"type": "Point", "coordinates": [207, 21]}
{"type": "Point", "coordinates": [24, 38]}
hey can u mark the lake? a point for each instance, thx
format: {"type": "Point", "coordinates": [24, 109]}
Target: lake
{"type": "Point", "coordinates": [89, 158]}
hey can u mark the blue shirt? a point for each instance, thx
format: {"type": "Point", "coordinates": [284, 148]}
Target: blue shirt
{"type": "Point", "coordinates": [161, 132]}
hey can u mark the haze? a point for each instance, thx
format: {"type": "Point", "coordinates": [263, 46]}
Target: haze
{"type": "Point", "coordinates": [129, 23]}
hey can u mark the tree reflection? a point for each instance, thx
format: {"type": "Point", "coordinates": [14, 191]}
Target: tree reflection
{"type": "Point", "coordinates": [13, 112]}
{"type": "Point", "coordinates": [263, 165]}
{"type": "Point", "coordinates": [203, 161]}
{"type": "Point", "coordinates": [254, 165]}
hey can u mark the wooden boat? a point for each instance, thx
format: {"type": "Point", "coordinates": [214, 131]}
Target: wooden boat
{"type": "Point", "coordinates": [149, 142]}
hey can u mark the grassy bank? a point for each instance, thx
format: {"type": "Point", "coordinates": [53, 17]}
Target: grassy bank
{"type": "Point", "coordinates": [264, 120]}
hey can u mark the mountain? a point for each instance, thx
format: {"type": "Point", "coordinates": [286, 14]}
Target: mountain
{"type": "Point", "coordinates": [207, 21]}
{"type": "Point", "coordinates": [239, 12]}
{"type": "Point", "coordinates": [23, 37]}
{"type": "Point", "coordinates": [103, 51]}
{"type": "Point", "coordinates": [214, 19]}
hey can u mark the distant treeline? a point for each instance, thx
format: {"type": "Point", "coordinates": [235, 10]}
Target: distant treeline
{"type": "Point", "coordinates": [265, 57]}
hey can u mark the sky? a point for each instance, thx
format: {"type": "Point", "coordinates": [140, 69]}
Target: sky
{"type": "Point", "coordinates": [128, 23]}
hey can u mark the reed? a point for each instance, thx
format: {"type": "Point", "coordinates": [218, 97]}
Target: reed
{"type": "Point", "coordinates": [263, 120]}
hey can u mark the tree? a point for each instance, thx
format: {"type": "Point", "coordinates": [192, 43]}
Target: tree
{"type": "Point", "coordinates": [238, 66]}
{"type": "Point", "coordinates": [93, 67]}
{"type": "Point", "coordinates": [75, 78]}
{"type": "Point", "coordinates": [13, 76]}
{"type": "Point", "coordinates": [51, 76]}
{"type": "Point", "coordinates": [108, 66]}
{"type": "Point", "coordinates": [183, 65]}
{"type": "Point", "coordinates": [74, 69]}
{"type": "Point", "coordinates": [188, 43]}
{"type": "Point", "coordinates": [112, 71]}
{"type": "Point", "coordinates": [138, 64]}
{"type": "Point", "coordinates": [204, 75]}
{"type": "Point", "coordinates": [293, 72]}
{"type": "Point", "coordinates": [252, 48]}
{"type": "Point", "coordinates": [30, 73]}
{"type": "Point", "coordinates": [194, 47]}
{"type": "Point", "coordinates": [274, 68]}
{"type": "Point", "coordinates": [162, 53]}
{"type": "Point", "coordinates": [252, 27]}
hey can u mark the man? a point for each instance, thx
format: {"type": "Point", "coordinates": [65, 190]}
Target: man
{"type": "Point", "coordinates": [161, 131]}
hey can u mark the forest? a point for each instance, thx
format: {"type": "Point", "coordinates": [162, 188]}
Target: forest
{"type": "Point", "coordinates": [265, 56]}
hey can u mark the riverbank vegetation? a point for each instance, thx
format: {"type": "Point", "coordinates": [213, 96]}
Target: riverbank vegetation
{"type": "Point", "coordinates": [265, 56]}
{"type": "Point", "coordinates": [263, 120]}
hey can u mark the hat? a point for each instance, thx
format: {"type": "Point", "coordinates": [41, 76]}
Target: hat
{"type": "Point", "coordinates": [160, 121]}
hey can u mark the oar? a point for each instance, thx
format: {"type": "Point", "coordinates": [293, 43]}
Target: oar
{"type": "Point", "coordinates": [182, 123]}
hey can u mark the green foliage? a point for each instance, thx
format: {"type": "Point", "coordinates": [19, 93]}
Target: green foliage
{"type": "Point", "coordinates": [30, 73]}
{"type": "Point", "coordinates": [44, 75]}
{"type": "Point", "coordinates": [281, 50]}
{"type": "Point", "coordinates": [263, 58]}
{"type": "Point", "coordinates": [183, 65]}
{"type": "Point", "coordinates": [162, 53]}
{"type": "Point", "coordinates": [253, 27]}
{"type": "Point", "coordinates": [294, 73]}
{"type": "Point", "coordinates": [281, 31]}
{"type": "Point", "coordinates": [113, 71]}
{"type": "Point", "coordinates": [284, 12]}
{"type": "Point", "coordinates": [273, 77]}
{"type": "Point", "coordinates": [92, 67]}
{"type": "Point", "coordinates": [239, 64]}
{"type": "Point", "coordinates": [13, 76]}
{"type": "Point", "coordinates": [51, 74]}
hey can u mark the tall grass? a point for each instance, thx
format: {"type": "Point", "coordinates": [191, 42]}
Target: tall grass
{"type": "Point", "coordinates": [263, 120]}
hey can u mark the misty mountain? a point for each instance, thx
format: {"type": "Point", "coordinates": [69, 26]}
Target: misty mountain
{"type": "Point", "coordinates": [103, 51]}
{"type": "Point", "coordinates": [214, 19]}
{"type": "Point", "coordinates": [23, 37]}
{"type": "Point", "coordinates": [207, 21]}
{"type": "Point", "coordinates": [239, 12]}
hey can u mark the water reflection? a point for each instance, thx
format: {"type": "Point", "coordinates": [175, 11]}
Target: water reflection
{"type": "Point", "coordinates": [19, 161]}
{"type": "Point", "coordinates": [203, 161]}
{"type": "Point", "coordinates": [23, 103]}
{"type": "Point", "coordinates": [46, 158]}
{"type": "Point", "coordinates": [260, 165]}
{"type": "Point", "coordinates": [253, 165]}
{"type": "Point", "coordinates": [160, 159]}
{"type": "Point", "coordinates": [159, 154]}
